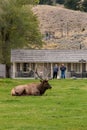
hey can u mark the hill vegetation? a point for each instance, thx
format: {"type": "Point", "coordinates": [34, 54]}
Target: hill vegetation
{"type": "Point", "coordinates": [70, 4]}
{"type": "Point", "coordinates": [62, 28]}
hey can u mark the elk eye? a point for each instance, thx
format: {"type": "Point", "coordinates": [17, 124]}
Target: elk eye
{"type": "Point", "coordinates": [46, 81]}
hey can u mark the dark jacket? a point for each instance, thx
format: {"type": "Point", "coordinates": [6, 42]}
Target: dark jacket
{"type": "Point", "coordinates": [55, 69]}
{"type": "Point", "coordinates": [63, 68]}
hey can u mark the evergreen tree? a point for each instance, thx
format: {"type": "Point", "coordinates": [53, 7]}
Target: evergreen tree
{"type": "Point", "coordinates": [60, 1]}
{"type": "Point", "coordinates": [43, 2]}
{"type": "Point", "coordinates": [72, 4]}
{"type": "Point", "coordinates": [84, 5]}
{"type": "Point", "coordinates": [48, 2]}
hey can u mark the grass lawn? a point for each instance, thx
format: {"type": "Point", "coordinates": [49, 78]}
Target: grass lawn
{"type": "Point", "coordinates": [64, 107]}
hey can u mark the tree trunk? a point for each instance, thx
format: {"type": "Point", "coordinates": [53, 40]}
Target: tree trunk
{"type": "Point", "coordinates": [5, 35]}
{"type": "Point", "coordinates": [7, 71]}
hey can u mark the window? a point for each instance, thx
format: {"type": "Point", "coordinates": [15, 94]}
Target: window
{"type": "Point", "coordinates": [69, 67]}
{"type": "Point", "coordinates": [47, 69]}
{"type": "Point", "coordinates": [25, 66]}
{"type": "Point", "coordinates": [83, 67]}
{"type": "Point", "coordinates": [32, 66]}
{"type": "Point", "coordinates": [76, 67]}
{"type": "Point", "coordinates": [28, 66]}
{"type": "Point", "coordinates": [18, 67]}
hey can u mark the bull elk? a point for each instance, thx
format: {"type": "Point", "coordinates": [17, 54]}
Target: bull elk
{"type": "Point", "coordinates": [35, 89]}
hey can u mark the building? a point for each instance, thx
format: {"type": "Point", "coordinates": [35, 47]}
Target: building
{"type": "Point", "coordinates": [25, 62]}
{"type": "Point", "coordinates": [2, 71]}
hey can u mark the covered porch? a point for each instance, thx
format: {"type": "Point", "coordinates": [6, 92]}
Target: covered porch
{"type": "Point", "coordinates": [27, 70]}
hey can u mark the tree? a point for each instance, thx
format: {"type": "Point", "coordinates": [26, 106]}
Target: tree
{"type": "Point", "coordinates": [42, 2]}
{"type": "Point", "coordinates": [84, 5]}
{"type": "Point", "coordinates": [60, 1]}
{"type": "Point", "coordinates": [72, 4]}
{"type": "Point", "coordinates": [18, 28]}
{"type": "Point", "coordinates": [48, 2]}
{"type": "Point", "coordinates": [23, 2]}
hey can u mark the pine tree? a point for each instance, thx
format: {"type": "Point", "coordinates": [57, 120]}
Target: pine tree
{"type": "Point", "coordinates": [84, 5]}
{"type": "Point", "coordinates": [72, 4]}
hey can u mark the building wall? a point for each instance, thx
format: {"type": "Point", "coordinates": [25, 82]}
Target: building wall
{"type": "Point", "coordinates": [2, 71]}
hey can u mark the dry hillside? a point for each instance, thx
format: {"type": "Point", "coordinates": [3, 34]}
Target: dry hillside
{"type": "Point", "coordinates": [62, 28]}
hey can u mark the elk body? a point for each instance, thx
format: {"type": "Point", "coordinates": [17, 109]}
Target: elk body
{"type": "Point", "coordinates": [35, 89]}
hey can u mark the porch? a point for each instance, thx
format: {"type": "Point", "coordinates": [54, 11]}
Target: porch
{"type": "Point", "coordinates": [27, 70]}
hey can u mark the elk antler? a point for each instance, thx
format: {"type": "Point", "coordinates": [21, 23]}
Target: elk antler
{"type": "Point", "coordinates": [38, 75]}
{"type": "Point", "coordinates": [47, 74]}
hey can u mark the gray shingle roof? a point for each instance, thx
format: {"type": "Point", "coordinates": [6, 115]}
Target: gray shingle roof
{"type": "Point", "coordinates": [23, 55]}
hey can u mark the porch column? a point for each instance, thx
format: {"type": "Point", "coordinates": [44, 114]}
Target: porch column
{"type": "Point", "coordinates": [86, 69]}
{"type": "Point", "coordinates": [35, 69]}
{"type": "Point", "coordinates": [13, 70]}
{"type": "Point", "coordinates": [71, 66]}
{"type": "Point", "coordinates": [81, 67]}
{"type": "Point", "coordinates": [51, 70]}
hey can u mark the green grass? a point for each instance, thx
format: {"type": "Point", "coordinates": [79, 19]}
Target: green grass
{"type": "Point", "coordinates": [64, 107]}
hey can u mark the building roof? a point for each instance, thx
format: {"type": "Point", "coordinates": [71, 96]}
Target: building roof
{"type": "Point", "coordinates": [25, 55]}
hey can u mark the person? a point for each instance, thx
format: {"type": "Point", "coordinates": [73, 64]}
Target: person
{"type": "Point", "coordinates": [55, 71]}
{"type": "Point", "coordinates": [63, 69]}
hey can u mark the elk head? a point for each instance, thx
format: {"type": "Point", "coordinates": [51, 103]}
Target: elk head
{"type": "Point", "coordinates": [44, 82]}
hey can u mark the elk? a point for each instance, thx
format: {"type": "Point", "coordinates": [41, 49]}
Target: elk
{"type": "Point", "coordinates": [34, 89]}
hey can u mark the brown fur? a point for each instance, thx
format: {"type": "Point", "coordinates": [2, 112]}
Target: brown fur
{"type": "Point", "coordinates": [35, 89]}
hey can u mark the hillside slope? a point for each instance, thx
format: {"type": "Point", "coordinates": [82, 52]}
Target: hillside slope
{"type": "Point", "coordinates": [62, 28]}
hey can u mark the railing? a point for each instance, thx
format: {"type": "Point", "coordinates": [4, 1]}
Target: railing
{"type": "Point", "coordinates": [79, 74]}
{"type": "Point", "coordinates": [24, 74]}
{"type": "Point", "coordinates": [31, 74]}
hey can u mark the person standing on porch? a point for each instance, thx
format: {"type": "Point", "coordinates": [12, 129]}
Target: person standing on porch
{"type": "Point", "coordinates": [63, 69]}
{"type": "Point", "coordinates": [55, 71]}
